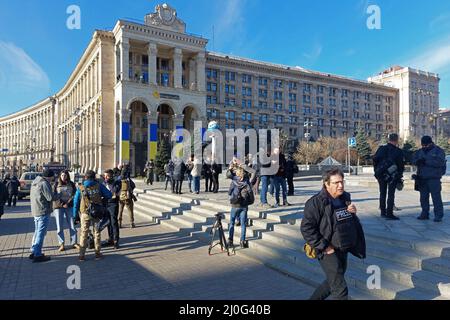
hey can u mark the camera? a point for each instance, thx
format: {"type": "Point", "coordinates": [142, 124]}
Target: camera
{"type": "Point", "coordinates": [220, 215]}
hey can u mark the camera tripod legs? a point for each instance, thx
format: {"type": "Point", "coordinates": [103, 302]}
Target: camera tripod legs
{"type": "Point", "coordinates": [218, 228]}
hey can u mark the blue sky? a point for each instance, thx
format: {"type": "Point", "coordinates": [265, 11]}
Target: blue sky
{"type": "Point", "coordinates": [38, 52]}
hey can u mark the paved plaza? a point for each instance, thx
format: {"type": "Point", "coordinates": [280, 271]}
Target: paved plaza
{"type": "Point", "coordinates": [154, 262]}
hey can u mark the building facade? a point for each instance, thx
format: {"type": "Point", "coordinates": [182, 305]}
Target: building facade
{"type": "Point", "coordinates": [136, 84]}
{"type": "Point", "coordinates": [418, 100]}
{"type": "Point", "coordinates": [444, 122]}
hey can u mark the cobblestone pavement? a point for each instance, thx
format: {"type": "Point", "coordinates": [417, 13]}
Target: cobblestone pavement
{"type": "Point", "coordinates": [153, 263]}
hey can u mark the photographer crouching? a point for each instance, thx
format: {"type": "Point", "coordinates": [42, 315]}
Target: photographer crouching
{"type": "Point", "coordinates": [331, 230]}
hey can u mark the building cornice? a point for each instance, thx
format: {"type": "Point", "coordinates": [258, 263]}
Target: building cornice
{"type": "Point", "coordinates": [287, 71]}
{"type": "Point", "coordinates": [155, 32]}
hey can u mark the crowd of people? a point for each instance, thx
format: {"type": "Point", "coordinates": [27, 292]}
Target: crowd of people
{"type": "Point", "coordinates": [94, 204]}
{"type": "Point", "coordinates": [330, 225]}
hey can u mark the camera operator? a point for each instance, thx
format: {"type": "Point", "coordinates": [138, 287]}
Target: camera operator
{"type": "Point", "coordinates": [331, 230]}
{"type": "Point", "coordinates": [389, 166]}
{"type": "Point", "coordinates": [241, 196]}
{"type": "Point", "coordinates": [431, 166]}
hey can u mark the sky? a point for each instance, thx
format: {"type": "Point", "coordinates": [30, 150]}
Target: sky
{"type": "Point", "coordinates": [38, 52]}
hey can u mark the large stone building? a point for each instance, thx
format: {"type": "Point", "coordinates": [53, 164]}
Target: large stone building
{"type": "Point", "coordinates": [444, 122]}
{"type": "Point", "coordinates": [135, 84]}
{"type": "Point", "coordinates": [418, 100]}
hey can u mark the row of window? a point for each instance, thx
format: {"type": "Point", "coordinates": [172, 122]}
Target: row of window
{"type": "Point", "coordinates": [247, 103]}
{"type": "Point", "coordinates": [264, 118]}
{"type": "Point", "coordinates": [307, 87]}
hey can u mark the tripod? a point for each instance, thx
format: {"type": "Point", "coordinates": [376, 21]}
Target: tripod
{"type": "Point", "coordinates": [218, 228]}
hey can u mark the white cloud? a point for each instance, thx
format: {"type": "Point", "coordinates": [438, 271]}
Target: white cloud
{"type": "Point", "coordinates": [440, 22]}
{"type": "Point", "coordinates": [18, 71]}
{"type": "Point", "coordinates": [230, 26]}
{"type": "Point", "coordinates": [315, 53]}
{"type": "Point", "coordinates": [435, 58]}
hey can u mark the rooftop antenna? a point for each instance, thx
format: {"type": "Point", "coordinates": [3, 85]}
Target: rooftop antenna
{"type": "Point", "coordinates": [213, 39]}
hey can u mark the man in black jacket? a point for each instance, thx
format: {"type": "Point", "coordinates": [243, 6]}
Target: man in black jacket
{"type": "Point", "coordinates": [389, 165]}
{"type": "Point", "coordinates": [332, 229]}
{"type": "Point", "coordinates": [13, 191]}
{"type": "Point", "coordinates": [431, 166]}
{"type": "Point", "coordinates": [3, 198]}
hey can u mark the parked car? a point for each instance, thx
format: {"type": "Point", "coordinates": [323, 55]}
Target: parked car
{"type": "Point", "coordinates": [25, 181]}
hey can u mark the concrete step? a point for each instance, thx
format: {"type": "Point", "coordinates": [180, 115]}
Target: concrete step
{"type": "Point", "coordinates": [284, 241]}
{"type": "Point", "coordinates": [429, 281]}
{"type": "Point", "coordinates": [184, 198]}
{"type": "Point", "coordinates": [291, 270]}
{"type": "Point", "coordinates": [177, 226]}
{"type": "Point", "coordinates": [159, 206]}
{"type": "Point", "coordinates": [152, 214]}
{"type": "Point", "coordinates": [355, 278]}
{"type": "Point", "coordinates": [428, 247]}
{"type": "Point", "coordinates": [191, 222]}
{"type": "Point", "coordinates": [155, 199]}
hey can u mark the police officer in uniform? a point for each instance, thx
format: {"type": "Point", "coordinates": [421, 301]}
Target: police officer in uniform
{"type": "Point", "coordinates": [389, 165]}
{"type": "Point", "coordinates": [331, 228]}
{"type": "Point", "coordinates": [431, 166]}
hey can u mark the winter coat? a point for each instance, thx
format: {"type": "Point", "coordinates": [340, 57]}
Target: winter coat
{"type": "Point", "coordinates": [42, 196]}
{"type": "Point", "coordinates": [317, 226]}
{"type": "Point", "coordinates": [430, 164]}
{"type": "Point", "coordinates": [67, 194]}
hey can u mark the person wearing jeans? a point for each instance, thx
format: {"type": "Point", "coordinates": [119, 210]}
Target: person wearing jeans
{"type": "Point", "coordinates": [42, 196]}
{"type": "Point", "coordinates": [63, 209]}
{"type": "Point", "coordinates": [239, 203]}
{"type": "Point", "coordinates": [265, 180]}
{"type": "Point", "coordinates": [241, 215]}
{"type": "Point", "coordinates": [196, 173]}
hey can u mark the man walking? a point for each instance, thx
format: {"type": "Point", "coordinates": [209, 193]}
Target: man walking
{"type": "Point", "coordinates": [42, 197]}
{"type": "Point", "coordinates": [388, 166]}
{"type": "Point", "coordinates": [431, 166]}
{"type": "Point", "coordinates": [331, 229]}
{"type": "Point", "coordinates": [91, 191]}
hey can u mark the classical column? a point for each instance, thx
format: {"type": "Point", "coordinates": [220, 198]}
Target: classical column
{"type": "Point", "coordinates": [96, 144]}
{"type": "Point", "coordinates": [201, 62]}
{"type": "Point", "coordinates": [178, 68]}
{"type": "Point", "coordinates": [178, 120]}
{"type": "Point", "coordinates": [125, 136]}
{"type": "Point", "coordinates": [91, 140]}
{"type": "Point", "coordinates": [152, 69]}
{"type": "Point", "coordinates": [152, 118]}
{"type": "Point", "coordinates": [124, 59]}
{"type": "Point", "coordinates": [192, 74]}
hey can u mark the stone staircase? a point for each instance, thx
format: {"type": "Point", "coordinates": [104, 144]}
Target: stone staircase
{"type": "Point", "coordinates": [411, 267]}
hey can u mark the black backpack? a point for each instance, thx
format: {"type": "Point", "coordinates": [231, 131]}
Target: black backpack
{"type": "Point", "coordinates": [96, 211]}
{"type": "Point", "coordinates": [243, 195]}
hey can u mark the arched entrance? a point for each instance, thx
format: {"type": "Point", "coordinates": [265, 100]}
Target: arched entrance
{"type": "Point", "coordinates": [190, 116]}
{"type": "Point", "coordinates": [165, 122]}
{"type": "Point", "coordinates": [138, 137]}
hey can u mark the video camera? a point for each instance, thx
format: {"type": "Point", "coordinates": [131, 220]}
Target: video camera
{"type": "Point", "coordinates": [220, 215]}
